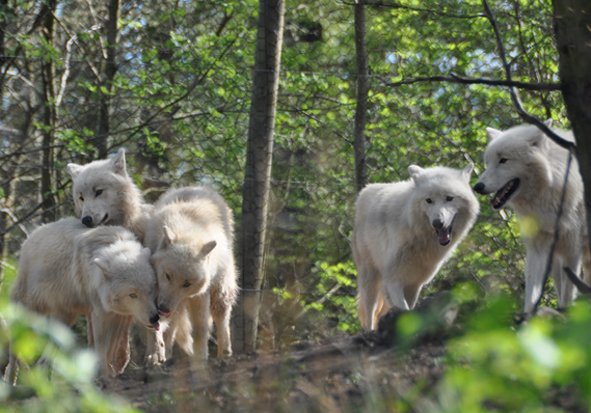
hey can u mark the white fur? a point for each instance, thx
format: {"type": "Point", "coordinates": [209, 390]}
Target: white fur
{"type": "Point", "coordinates": [526, 153]}
{"type": "Point", "coordinates": [191, 234]}
{"type": "Point", "coordinates": [104, 194]}
{"type": "Point", "coordinates": [396, 247]}
{"type": "Point", "coordinates": [66, 269]}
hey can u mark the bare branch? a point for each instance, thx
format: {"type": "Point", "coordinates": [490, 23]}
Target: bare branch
{"type": "Point", "coordinates": [454, 78]}
{"type": "Point", "coordinates": [583, 287]}
{"type": "Point", "coordinates": [515, 97]}
{"type": "Point", "coordinates": [418, 9]}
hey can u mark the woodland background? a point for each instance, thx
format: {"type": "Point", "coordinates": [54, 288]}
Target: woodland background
{"type": "Point", "coordinates": [171, 82]}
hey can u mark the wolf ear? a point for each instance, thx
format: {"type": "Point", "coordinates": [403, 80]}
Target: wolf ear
{"type": "Point", "coordinates": [467, 172]}
{"type": "Point", "coordinates": [118, 163]}
{"type": "Point", "coordinates": [168, 237]}
{"type": "Point", "coordinates": [415, 171]}
{"type": "Point", "coordinates": [493, 133]}
{"type": "Point", "coordinates": [102, 265]}
{"type": "Point", "coordinates": [74, 169]}
{"type": "Point", "coordinates": [206, 249]}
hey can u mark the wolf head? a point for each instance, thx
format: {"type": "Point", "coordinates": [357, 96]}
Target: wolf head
{"type": "Point", "coordinates": [444, 197]}
{"type": "Point", "coordinates": [128, 284]}
{"type": "Point", "coordinates": [182, 268]}
{"type": "Point", "coordinates": [516, 160]}
{"type": "Point", "coordinates": [103, 192]}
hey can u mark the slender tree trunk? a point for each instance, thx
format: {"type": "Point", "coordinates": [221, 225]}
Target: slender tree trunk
{"type": "Point", "coordinates": [359, 140]}
{"type": "Point", "coordinates": [104, 127]}
{"type": "Point", "coordinates": [4, 176]}
{"type": "Point", "coordinates": [572, 19]}
{"type": "Point", "coordinates": [47, 75]}
{"type": "Point", "coordinates": [258, 170]}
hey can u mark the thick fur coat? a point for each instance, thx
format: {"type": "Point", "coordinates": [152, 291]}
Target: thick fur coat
{"type": "Point", "coordinates": [66, 269]}
{"type": "Point", "coordinates": [526, 171]}
{"type": "Point", "coordinates": [104, 194]}
{"type": "Point", "coordinates": [191, 234]}
{"type": "Point", "coordinates": [404, 232]}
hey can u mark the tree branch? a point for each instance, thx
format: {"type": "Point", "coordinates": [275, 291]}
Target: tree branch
{"type": "Point", "coordinates": [454, 78]}
{"type": "Point", "coordinates": [419, 9]}
{"type": "Point", "coordinates": [515, 97]}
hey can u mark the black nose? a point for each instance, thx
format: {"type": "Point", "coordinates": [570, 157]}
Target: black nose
{"type": "Point", "coordinates": [479, 188]}
{"type": "Point", "coordinates": [154, 318]}
{"type": "Point", "coordinates": [437, 223]}
{"type": "Point", "coordinates": [87, 220]}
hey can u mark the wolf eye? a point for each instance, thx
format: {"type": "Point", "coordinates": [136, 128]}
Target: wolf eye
{"type": "Point", "coordinates": [133, 295]}
{"type": "Point", "coordinates": [429, 201]}
{"type": "Point", "coordinates": [503, 160]}
{"type": "Point", "coordinates": [449, 198]}
{"type": "Point", "coordinates": [186, 284]}
{"type": "Point", "coordinates": [81, 198]}
{"type": "Point", "coordinates": [168, 276]}
{"type": "Point", "coordinates": [100, 191]}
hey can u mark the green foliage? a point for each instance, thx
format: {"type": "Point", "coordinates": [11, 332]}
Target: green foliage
{"type": "Point", "coordinates": [64, 380]}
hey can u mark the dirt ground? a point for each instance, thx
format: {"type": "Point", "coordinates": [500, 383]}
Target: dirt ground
{"type": "Point", "coordinates": [350, 374]}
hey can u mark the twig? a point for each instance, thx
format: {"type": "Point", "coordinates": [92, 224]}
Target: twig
{"type": "Point", "coordinates": [455, 78]}
{"type": "Point", "coordinates": [556, 232]}
{"type": "Point", "coordinates": [580, 284]}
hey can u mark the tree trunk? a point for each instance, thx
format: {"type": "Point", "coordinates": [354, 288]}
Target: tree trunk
{"type": "Point", "coordinates": [3, 176]}
{"type": "Point", "coordinates": [47, 75]}
{"type": "Point", "coordinates": [362, 96]}
{"type": "Point", "coordinates": [572, 19]}
{"type": "Point", "coordinates": [258, 170]}
{"type": "Point", "coordinates": [104, 127]}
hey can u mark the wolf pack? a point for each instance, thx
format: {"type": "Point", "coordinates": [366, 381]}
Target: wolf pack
{"type": "Point", "coordinates": [169, 267]}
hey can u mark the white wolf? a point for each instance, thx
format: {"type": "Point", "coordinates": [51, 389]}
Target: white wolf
{"type": "Point", "coordinates": [191, 234]}
{"type": "Point", "coordinates": [527, 170]}
{"type": "Point", "coordinates": [404, 232]}
{"type": "Point", "coordinates": [66, 269]}
{"type": "Point", "coordinates": [104, 194]}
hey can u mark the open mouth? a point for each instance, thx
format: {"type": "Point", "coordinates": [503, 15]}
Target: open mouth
{"type": "Point", "coordinates": [105, 218]}
{"type": "Point", "coordinates": [503, 195]}
{"type": "Point", "coordinates": [444, 235]}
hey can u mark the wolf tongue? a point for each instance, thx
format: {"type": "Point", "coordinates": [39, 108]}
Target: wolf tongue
{"type": "Point", "coordinates": [444, 235]}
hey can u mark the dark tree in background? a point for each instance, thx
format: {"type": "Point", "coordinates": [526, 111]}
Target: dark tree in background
{"type": "Point", "coordinates": [572, 19]}
{"type": "Point", "coordinates": [257, 175]}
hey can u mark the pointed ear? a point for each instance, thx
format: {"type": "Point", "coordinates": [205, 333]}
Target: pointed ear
{"type": "Point", "coordinates": [206, 249]}
{"type": "Point", "coordinates": [467, 172]}
{"type": "Point", "coordinates": [74, 169]}
{"type": "Point", "coordinates": [549, 123]}
{"type": "Point", "coordinates": [102, 265]}
{"type": "Point", "coordinates": [493, 133]}
{"type": "Point", "coordinates": [168, 237]}
{"type": "Point", "coordinates": [118, 163]}
{"type": "Point", "coordinates": [415, 171]}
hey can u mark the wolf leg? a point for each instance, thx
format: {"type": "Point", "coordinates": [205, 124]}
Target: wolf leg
{"type": "Point", "coordinates": [221, 311]}
{"type": "Point", "coordinates": [369, 283]}
{"type": "Point", "coordinates": [535, 265]}
{"type": "Point", "coordinates": [394, 292]}
{"type": "Point", "coordinates": [568, 291]}
{"type": "Point", "coordinates": [411, 294]}
{"type": "Point", "coordinates": [201, 320]}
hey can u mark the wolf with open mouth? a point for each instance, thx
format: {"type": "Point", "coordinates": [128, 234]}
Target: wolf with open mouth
{"type": "Point", "coordinates": [404, 232]}
{"type": "Point", "coordinates": [526, 171]}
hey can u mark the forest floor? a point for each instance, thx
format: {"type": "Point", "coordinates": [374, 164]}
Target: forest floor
{"type": "Point", "coordinates": [368, 372]}
{"type": "Point", "coordinates": [349, 374]}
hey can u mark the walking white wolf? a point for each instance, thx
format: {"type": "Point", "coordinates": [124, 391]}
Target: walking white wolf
{"type": "Point", "coordinates": [404, 232]}
{"type": "Point", "coordinates": [104, 194]}
{"type": "Point", "coordinates": [527, 170]}
{"type": "Point", "coordinates": [192, 236]}
{"type": "Point", "coordinates": [66, 269]}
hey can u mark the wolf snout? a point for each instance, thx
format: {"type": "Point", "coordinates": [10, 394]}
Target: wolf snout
{"type": "Point", "coordinates": [87, 220]}
{"type": "Point", "coordinates": [479, 188]}
{"type": "Point", "coordinates": [164, 311]}
{"type": "Point", "coordinates": [437, 223]}
{"type": "Point", "coordinates": [154, 319]}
